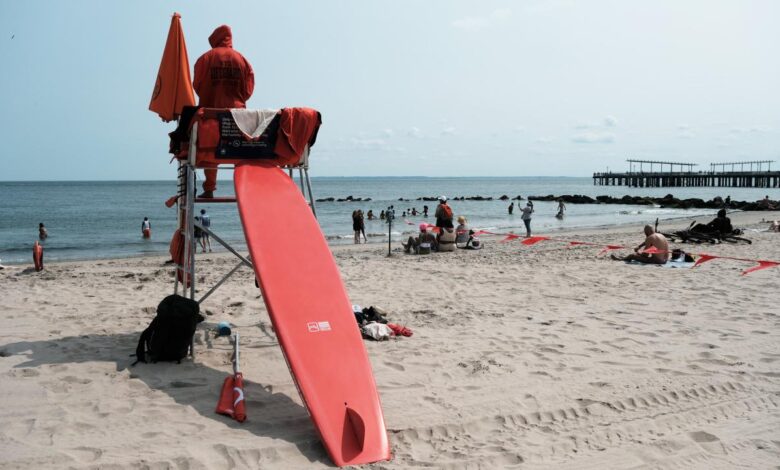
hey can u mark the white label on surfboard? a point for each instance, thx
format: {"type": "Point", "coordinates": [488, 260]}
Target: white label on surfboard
{"type": "Point", "coordinates": [317, 326]}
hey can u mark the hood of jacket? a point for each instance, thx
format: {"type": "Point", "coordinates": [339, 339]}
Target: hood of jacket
{"type": "Point", "coordinates": [221, 37]}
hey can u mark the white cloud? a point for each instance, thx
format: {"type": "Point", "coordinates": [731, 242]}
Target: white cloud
{"type": "Point", "coordinates": [415, 132]}
{"type": "Point", "coordinates": [594, 138]}
{"type": "Point", "coordinates": [388, 132]}
{"type": "Point", "coordinates": [519, 129]}
{"type": "Point", "coordinates": [478, 23]}
{"type": "Point", "coordinates": [684, 131]}
{"type": "Point", "coordinates": [368, 144]}
{"type": "Point", "coordinates": [544, 140]}
{"type": "Point", "coordinates": [471, 23]}
{"type": "Point", "coordinates": [609, 121]}
{"type": "Point", "coordinates": [501, 14]}
{"type": "Point", "coordinates": [448, 131]}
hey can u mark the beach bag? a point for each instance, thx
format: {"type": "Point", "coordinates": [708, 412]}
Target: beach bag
{"type": "Point", "coordinates": [168, 336]}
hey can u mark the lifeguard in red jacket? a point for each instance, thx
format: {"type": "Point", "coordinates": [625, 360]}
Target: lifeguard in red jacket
{"type": "Point", "coordinates": [223, 79]}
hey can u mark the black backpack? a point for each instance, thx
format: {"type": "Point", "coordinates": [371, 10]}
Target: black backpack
{"type": "Point", "coordinates": [168, 336]}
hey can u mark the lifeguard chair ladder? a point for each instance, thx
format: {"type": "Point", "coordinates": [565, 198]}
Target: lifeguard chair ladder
{"type": "Point", "coordinates": [186, 223]}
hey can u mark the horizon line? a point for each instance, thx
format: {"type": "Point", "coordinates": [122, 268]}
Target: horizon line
{"type": "Point", "coordinates": [313, 177]}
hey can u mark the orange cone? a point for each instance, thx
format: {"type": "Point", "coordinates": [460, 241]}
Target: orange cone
{"type": "Point", "coordinates": [225, 403]}
{"type": "Point", "coordinates": [239, 408]}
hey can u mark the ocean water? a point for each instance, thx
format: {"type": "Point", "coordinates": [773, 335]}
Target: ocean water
{"type": "Point", "coordinates": [102, 219]}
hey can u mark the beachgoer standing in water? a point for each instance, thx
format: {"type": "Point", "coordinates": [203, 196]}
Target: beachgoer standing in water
{"type": "Point", "coordinates": [146, 228]}
{"type": "Point", "coordinates": [358, 225]}
{"type": "Point", "coordinates": [443, 214]}
{"type": "Point", "coordinates": [362, 225]}
{"type": "Point", "coordinates": [561, 209]}
{"type": "Point", "coordinates": [223, 79]}
{"type": "Point", "coordinates": [42, 232]}
{"type": "Point", "coordinates": [425, 211]}
{"type": "Point", "coordinates": [527, 211]}
{"type": "Point", "coordinates": [511, 208]}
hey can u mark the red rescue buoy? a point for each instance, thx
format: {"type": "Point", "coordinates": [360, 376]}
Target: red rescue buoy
{"type": "Point", "coordinates": [38, 256]}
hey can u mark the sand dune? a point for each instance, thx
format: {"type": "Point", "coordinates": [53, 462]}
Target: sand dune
{"type": "Point", "coordinates": [522, 357]}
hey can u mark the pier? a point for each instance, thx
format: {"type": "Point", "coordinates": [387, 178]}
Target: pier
{"type": "Point", "coordinates": [660, 174]}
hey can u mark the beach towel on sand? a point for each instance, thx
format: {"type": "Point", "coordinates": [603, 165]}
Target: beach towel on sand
{"type": "Point", "coordinates": [668, 264]}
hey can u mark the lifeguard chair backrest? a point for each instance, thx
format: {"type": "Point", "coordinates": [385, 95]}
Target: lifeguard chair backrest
{"type": "Point", "coordinates": [219, 140]}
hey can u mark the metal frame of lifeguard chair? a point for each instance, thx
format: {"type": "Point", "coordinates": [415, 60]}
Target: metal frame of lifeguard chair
{"type": "Point", "coordinates": [186, 208]}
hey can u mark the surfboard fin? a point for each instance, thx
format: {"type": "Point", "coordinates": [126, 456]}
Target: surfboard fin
{"type": "Point", "coordinates": [357, 425]}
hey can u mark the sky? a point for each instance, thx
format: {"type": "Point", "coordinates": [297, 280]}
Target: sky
{"type": "Point", "coordinates": [434, 88]}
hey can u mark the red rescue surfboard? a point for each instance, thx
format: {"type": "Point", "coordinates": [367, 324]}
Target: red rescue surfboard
{"type": "Point", "coordinates": [38, 256]}
{"type": "Point", "coordinates": [311, 314]}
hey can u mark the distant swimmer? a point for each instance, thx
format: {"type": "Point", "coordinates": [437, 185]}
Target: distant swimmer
{"type": "Point", "coordinates": [511, 208]}
{"type": "Point", "coordinates": [146, 228]}
{"type": "Point", "coordinates": [43, 234]}
{"type": "Point", "coordinates": [425, 211]}
{"type": "Point", "coordinates": [370, 214]}
{"type": "Point", "coordinates": [654, 240]}
{"type": "Point", "coordinates": [561, 209]}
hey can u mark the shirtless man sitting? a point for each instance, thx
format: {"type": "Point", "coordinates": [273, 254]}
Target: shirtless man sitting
{"type": "Point", "coordinates": [655, 240]}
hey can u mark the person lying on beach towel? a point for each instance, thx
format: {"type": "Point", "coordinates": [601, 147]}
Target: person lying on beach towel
{"type": "Point", "coordinates": [652, 239]}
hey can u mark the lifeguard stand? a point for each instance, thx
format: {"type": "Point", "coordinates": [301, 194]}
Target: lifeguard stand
{"type": "Point", "coordinates": [214, 141]}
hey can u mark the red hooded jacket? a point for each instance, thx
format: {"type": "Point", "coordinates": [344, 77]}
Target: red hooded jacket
{"type": "Point", "coordinates": [223, 77]}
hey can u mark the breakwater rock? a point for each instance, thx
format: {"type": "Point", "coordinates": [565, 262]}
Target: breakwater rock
{"type": "Point", "coordinates": [668, 201]}
{"type": "Point", "coordinates": [346, 199]}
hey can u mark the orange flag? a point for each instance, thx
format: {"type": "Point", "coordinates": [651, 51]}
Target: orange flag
{"type": "Point", "coordinates": [173, 88]}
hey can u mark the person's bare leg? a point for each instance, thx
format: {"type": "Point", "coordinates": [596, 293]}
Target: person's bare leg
{"type": "Point", "coordinates": [644, 259]}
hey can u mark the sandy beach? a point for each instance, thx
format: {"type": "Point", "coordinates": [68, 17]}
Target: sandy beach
{"type": "Point", "coordinates": [522, 357]}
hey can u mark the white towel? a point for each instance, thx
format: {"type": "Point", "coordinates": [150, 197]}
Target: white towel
{"type": "Point", "coordinates": [253, 122]}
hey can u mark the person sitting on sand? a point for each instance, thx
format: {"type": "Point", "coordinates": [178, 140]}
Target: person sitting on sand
{"type": "Point", "coordinates": [721, 224]}
{"type": "Point", "coordinates": [464, 236]}
{"type": "Point", "coordinates": [42, 233]}
{"type": "Point", "coordinates": [654, 240]}
{"type": "Point", "coordinates": [446, 239]}
{"type": "Point", "coordinates": [424, 242]}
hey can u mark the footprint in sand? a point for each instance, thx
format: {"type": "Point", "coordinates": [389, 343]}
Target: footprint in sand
{"type": "Point", "coordinates": [395, 366]}
{"type": "Point", "coordinates": [85, 454]}
{"type": "Point", "coordinates": [708, 442]}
